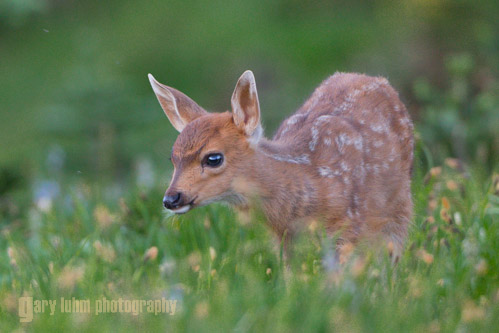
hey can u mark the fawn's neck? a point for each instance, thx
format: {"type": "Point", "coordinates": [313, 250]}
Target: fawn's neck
{"type": "Point", "coordinates": [275, 182]}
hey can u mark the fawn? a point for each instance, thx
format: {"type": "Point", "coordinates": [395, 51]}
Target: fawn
{"type": "Point", "coordinates": [344, 158]}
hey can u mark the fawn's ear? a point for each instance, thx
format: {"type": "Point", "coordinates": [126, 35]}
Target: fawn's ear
{"type": "Point", "coordinates": [245, 105]}
{"type": "Point", "coordinates": [179, 108]}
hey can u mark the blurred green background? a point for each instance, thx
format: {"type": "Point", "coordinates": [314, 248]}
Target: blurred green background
{"type": "Point", "coordinates": [74, 94]}
{"type": "Point", "coordinates": [85, 146]}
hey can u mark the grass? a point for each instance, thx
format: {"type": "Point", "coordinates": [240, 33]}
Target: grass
{"type": "Point", "coordinates": [66, 233]}
{"type": "Point", "coordinates": [88, 242]}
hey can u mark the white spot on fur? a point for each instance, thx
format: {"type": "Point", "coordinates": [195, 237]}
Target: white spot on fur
{"type": "Point", "coordinates": [322, 118]}
{"type": "Point", "coordinates": [392, 155]}
{"type": "Point", "coordinates": [327, 141]}
{"type": "Point", "coordinates": [357, 142]}
{"type": "Point", "coordinates": [291, 121]}
{"type": "Point", "coordinates": [315, 131]}
{"type": "Point", "coordinates": [344, 166]}
{"type": "Point", "coordinates": [349, 101]}
{"type": "Point", "coordinates": [342, 140]}
{"type": "Point", "coordinates": [379, 128]}
{"type": "Point", "coordinates": [294, 119]}
{"type": "Point", "coordinates": [325, 171]}
{"type": "Point", "coordinates": [356, 200]}
{"type": "Point", "coordinates": [375, 85]}
{"type": "Point", "coordinates": [351, 98]}
{"type": "Point", "coordinates": [360, 172]}
{"type": "Point", "coordinates": [286, 129]}
{"type": "Point", "coordinates": [315, 137]}
{"type": "Point", "coordinates": [405, 122]}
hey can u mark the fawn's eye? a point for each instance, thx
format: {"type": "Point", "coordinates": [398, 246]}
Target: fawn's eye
{"type": "Point", "coordinates": [213, 160]}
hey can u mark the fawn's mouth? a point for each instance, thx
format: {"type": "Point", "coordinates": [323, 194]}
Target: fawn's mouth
{"type": "Point", "coordinates": [184, 209]}
{"type": "Point", "coordinates": [181, 210]}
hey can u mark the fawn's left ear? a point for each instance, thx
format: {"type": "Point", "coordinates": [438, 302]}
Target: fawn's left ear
{"type": "Point", "coordinates": [245, 105]}
{"type": "Point", "coordinates": [179, 108]}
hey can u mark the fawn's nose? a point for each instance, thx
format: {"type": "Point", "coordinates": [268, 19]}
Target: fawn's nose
{"type": "Point", "coordinates": [172, 201]}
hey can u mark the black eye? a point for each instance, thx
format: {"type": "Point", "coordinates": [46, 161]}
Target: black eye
{"type": "Point", "coordinates": [214, 160]}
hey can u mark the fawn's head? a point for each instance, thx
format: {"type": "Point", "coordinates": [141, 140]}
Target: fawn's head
{"type": "Point", "coordinates": [212, 148]}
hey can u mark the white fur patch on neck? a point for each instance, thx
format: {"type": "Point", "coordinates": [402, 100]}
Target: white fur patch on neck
{"type": "Point", "coordinates": [301, 159]}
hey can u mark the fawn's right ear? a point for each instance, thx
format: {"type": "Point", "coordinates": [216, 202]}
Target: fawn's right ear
{"type": "Point", "coordinates": [179, 108]}
{"type": "Point", "coordinates": [245, 106]}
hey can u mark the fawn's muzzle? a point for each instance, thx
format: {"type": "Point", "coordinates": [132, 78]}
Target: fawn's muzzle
{"type": "Point", "coordinates": [173, 201]}
{"type": "Point", "coordinates": [177, 202]}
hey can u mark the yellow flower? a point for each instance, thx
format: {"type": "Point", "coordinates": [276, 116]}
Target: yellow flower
{"type": "Point", "coordinates": [103, 216]}
{"type": "Point", "coordinates": [213, 253]}
{"type": "Point", "coordinates": [425, 256]}
{"type": "Point", "coordinates": [70, 276]}
{"type": "Point", "coordinates": [445, 203]}
{"type": "Point", "coordinates": [472, 312]}
{"type": "Point", "coordinates": [201, 310]}
{"type": "Point", "coordinates": [452, 163]}
{"type": "Point", "coordinates": [151, 253]}
{"type": "Point", "coordinates": [435, 171]}
{"type": "Point", "coordinates": [105, 252]}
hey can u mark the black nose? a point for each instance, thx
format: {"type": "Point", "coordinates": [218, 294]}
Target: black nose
{"type": "Point", "coordinates": [172, 201]}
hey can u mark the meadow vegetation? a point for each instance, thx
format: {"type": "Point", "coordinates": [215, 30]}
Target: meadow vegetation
{"type": "Point", "coordinates": [84, 165]}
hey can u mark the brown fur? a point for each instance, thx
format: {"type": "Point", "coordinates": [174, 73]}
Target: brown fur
{"type": "Point", "coordinates": [344, 158]}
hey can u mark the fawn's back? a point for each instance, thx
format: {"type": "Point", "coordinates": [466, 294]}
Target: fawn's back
{"type": "Point", "coordinates": [344, 158]}
{"type": "Point", "coordinates": [354, 138]}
